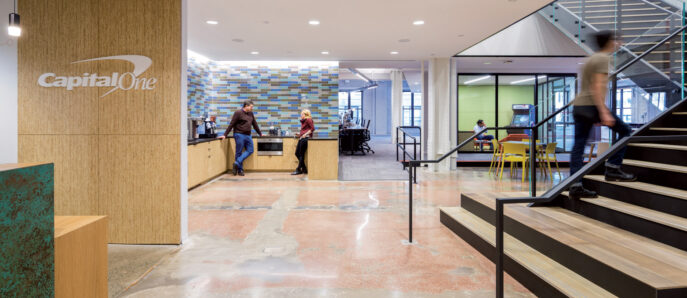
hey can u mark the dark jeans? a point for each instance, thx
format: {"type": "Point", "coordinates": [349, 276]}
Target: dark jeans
{"type": "Point", "coordinates": [485, 138]}
{"type": "Point", "coordinates": [301, 148]}
{"type": "Point", "coordinates": [585, 118]}
{"type": "Point", "coordinates": [242, 142]}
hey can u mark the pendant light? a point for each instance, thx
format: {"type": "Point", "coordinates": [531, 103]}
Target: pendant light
{"type": "Point", "coordinates": [14, 29]}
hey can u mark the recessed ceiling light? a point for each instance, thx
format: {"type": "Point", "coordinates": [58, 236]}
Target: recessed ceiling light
{"type": "Point", "coordinates": [419, 22]}
{"type": "Point", "coordinates": [394, 53]}
{"type": "Point", "coordinates": [314, 22]}
{"type": "Point", "coordinates": [325, 53]}
{"type": "Point", "coordinates": [487, 63]}
{"type": "Point", "coordinates": [212, 22]}
{"type": "Point", "coordinates": [580, 63]}
{"type": "Point", "coordinates": [254, 53]}
{"type": "Point", "coordinates": [417, 83]}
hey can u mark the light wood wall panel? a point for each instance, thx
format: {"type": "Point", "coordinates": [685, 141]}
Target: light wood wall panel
{"type": "Point", "coordinates": [127, 142]}
{"type": "Point", "coordinates": [56, 33]}
{"type": "Point", "coordinates": [76, 169]}
{"type": "Point", "coordinates": [134, 191]}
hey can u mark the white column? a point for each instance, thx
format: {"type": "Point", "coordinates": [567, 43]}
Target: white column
{"type": "Point", "coordinates": [439, 112]}
{"type": "Point", "coordinates": [396, 102]}
{"type": "Point", "coordinates": [8, 85]}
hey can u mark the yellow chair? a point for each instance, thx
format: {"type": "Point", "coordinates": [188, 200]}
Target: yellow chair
{"type": "Point", "coordinates": [495, 157]}
{"type": "Point", "coordinates": [548, 156]}
{"type": "Point", "coordinates": [514, 153]}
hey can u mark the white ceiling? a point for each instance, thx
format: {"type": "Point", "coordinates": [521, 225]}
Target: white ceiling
{"type": "Point", "coordinates": [349, 30]}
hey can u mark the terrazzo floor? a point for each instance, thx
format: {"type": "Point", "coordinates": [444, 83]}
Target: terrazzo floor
{"type": "Point", "coordinates": [273, 235]}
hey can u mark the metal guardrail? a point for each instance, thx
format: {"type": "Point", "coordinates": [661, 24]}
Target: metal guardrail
{"type": "Point", "coordinates": [401, 146]}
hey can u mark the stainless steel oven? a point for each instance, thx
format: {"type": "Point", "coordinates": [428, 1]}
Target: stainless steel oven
{"type": "Point", "coordinates": [271, 146]}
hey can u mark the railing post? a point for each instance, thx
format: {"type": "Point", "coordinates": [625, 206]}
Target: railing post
{"type": "Point", "coordinates": [533, 162]}
{"type": "Point", "coordinates": [414, 158]}
{"type": "Point", "coordinates": [499, 248]}
{"type": "Point", "coordinates": [410, 202]}
{"type": "Point", "coordinates": [397, 144]}
{"type": "Point", "coordinates": [614, 104]}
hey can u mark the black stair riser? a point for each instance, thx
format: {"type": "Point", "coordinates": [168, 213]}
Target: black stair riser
{"type": "Point", "coordinates": [667, 156]}
{"type": "Point", "coordinates": [658, 177]}
{"type": "Point", "coordinates": [533, 283]}
{"type": "Point", "coordinates": [674, 121]}
{"type": "Point", "coordinates": [661, 233]}
{"type": "Point", "coordinates": [651, 132]}
{"type": "Point", "coordinates": [614, 281]}
{"type": "Point", "coordinates": [646, 199]}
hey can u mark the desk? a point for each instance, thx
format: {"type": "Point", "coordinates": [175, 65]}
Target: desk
{"type": "Point", "coordinates": [352, 139]}
{"type": "Point", "coordinates": [80, 256]}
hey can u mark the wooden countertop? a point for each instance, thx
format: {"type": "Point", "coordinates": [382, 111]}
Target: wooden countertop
{"type": "Point", "coordinates": [67, 224]}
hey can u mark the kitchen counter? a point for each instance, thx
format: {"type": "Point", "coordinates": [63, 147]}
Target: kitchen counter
{"type": "Point", "coordinates": [316, 138]}
{"type": "Point", "coordinates": [211, 157]}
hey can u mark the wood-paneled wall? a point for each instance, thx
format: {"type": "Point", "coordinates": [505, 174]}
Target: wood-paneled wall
{"type": "Point", "coordinates": [117, 155]}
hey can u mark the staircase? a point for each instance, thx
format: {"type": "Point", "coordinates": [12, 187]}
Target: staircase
{"type": "Point", "coordinates": [641, 24]}
{"type": "Point", "coordinates": [629, 242]}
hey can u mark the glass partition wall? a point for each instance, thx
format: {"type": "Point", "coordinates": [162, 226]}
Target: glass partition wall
{"type": "Point", "coordinates": [502, 100]}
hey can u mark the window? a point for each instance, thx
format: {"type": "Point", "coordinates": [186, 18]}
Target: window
{"type": "Point", "coordinates": [351, 100]}
{"type": "Point", "coordinates": [412, 109]}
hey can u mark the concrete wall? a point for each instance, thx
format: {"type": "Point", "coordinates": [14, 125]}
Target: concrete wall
{"type": "Point", "coordinates": [8, 85]}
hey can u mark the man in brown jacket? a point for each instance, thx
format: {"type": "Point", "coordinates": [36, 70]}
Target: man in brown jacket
{"type": "Point", "coordinates": [241, 123]}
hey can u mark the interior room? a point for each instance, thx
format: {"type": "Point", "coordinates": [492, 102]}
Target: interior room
{"type": "Point", "coordinates": [176, 148]}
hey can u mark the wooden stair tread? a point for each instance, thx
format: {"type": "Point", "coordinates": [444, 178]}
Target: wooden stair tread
{"type": "Point", "coordinates": [679, 113]}
{"type": "Point", "coordinates": [668, 128]}
{"type": "Point", "coordinates": [659, 146]}
{"type": "Point", "coordinates": [665, 219]}
{"type": "Point", "coordinates": [656, 264]}
{"type": "Point", "coordinates": [655, 165]}
{"type": "Point", "coordinates": [555, 274]}
{"type": "Point", "coordinates": [662, 190]}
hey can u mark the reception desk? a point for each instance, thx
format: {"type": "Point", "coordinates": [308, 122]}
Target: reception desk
{"type": "Point", "coordinates": [209, 158]}
{"type": "Point", "coordinates": [80, 256]}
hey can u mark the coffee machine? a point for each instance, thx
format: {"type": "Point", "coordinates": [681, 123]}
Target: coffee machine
{"type": "Point", "coordinates": [193, 124]}
{"type": "Point", "coordinates": [210, 128]}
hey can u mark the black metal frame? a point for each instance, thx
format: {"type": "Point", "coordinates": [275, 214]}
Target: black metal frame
{"type": "Point", "coordinates": [402, 146]}
{"type": "Point", "coordinates": [496, 95]}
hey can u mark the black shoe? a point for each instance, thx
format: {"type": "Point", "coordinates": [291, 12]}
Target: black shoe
{"type": "Point", "coordinates": [235, 170]}
{"type": "Point", "coordinates": [241, 173]}
{"type": "Point", "coordinates": [616, 174]}
{"type": "Point", "coordinates": [305, 171]}
{"type": "Point", "coordinates": [297, 172]}
{"type": "Point", "coordinates": [577, 192]}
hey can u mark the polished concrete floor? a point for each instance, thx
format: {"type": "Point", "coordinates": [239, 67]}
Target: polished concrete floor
{"type": "Point", "coordinates": [380, 165]}
{"type": "Point", "coordinates": [273, 235]}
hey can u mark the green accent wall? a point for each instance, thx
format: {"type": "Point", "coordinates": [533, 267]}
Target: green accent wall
{"type": "Point", "coordinates": [477, 102]}
{"type": "Point", "coordinates": [474, 103]}
{"type": "Point", "coordinates": [27, 224]}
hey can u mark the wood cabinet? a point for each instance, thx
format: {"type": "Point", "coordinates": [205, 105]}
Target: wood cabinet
{"type": "Point", "coordinates": [207, 160]}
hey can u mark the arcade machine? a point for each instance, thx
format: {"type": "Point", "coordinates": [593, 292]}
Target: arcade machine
{"type": "Point", "coordinates": [523, 116]}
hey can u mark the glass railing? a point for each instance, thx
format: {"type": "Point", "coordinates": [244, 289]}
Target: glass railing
{"type": "Point", "coordinates": [633, 20]}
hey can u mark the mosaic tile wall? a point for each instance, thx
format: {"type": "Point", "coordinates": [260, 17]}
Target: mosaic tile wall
{"type": "Point", "coordinates": [278, 91]}
{"type": "Point", "coordinates": [27, 251]}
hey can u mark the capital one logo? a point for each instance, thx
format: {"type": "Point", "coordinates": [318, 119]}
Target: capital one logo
{"type": "Point", "coordinates": [124, 81]}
